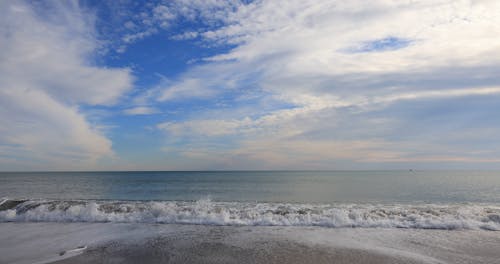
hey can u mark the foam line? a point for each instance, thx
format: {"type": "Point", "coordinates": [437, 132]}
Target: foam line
{"type": "Point", "coordinates": [421, 216]}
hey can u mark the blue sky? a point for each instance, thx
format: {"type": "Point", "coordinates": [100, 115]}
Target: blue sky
{"type": "Point", "coordinates": [202, 85]}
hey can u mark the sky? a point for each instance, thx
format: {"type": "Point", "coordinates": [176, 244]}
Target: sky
{"type": "Point", "coordinates": [249, 85]}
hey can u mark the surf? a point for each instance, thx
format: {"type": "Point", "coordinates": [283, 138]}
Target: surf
{"type": "Point", "coordinates": [208, 212]}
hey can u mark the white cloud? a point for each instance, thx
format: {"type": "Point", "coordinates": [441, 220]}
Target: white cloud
{"type": "Point", "coordinates": [164, 15]}
{"type": "Point", "coordinates": [438, 94]}
{"type": "Point", "coordinates": [127, 26]}
{"type": "Point", "coordinates": [133, 37]}
{"type": "Point", "coordinates": [342, 68]}
{"type": "Point", "coordinates": [141, 110]}
{"type": "Point", "coordinates": [188, 88]}
{"type": "Point", "coordinates": [205, 127]}
{"type": "Point", "coordinates": [46, 73]}
{"type": "Point", "coordinates": [294, 42]}
{"type": "Point", "coordinates": [185, 35]}
{"type": "Point", "coordinates": [202, 82]}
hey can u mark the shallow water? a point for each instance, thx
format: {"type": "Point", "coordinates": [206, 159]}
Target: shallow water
{"type": "Point", "coordinates": [28, 243]}
{"type": "Point", "coordinates": [451, 200]}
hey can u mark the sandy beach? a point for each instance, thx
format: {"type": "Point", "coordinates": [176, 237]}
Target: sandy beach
{"type": "Point", "coordinates": [156, 243]}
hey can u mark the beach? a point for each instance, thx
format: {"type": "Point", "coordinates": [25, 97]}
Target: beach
{"type": "Point", "coordinates": [269, 131]}
{"type": "Point", "coordinates": [170, 243]}
{"type": "Point", "coordinates": [250, 217]}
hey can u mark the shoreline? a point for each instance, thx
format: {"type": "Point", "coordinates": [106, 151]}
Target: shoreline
{"type": "Point", "coordinates": [205, 211]}
{"type": "Point", "coordinates": [171, 243]}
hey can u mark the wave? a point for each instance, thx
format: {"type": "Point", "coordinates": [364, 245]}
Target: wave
{"type": "Point", "coordinates": [207, 212]}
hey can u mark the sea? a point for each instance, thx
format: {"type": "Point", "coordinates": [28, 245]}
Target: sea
{"type": "Point", "coordinates": [451, 200]}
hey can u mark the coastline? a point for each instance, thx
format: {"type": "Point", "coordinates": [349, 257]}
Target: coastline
{"type": "Point", "coordinates": [58, 243]}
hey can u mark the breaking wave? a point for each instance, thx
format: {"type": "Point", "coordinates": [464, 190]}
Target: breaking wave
{"type": "Point", "coordinates": [207, 212]}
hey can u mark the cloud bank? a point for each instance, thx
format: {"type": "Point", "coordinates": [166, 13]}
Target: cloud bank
{"type": "Point", "coordinates": [47, 73]}
{"type": "Point", "coordinates": [385, 84]}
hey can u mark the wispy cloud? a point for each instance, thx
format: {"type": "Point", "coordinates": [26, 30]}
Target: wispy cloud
{"type": "Point", "coordinates": [45, 75]}
{"type": "Point", "coordinates": [401, 57]}
{"type": "Point", "coordinates": [295, 84]}
{"type": "Point", "coordinates": [141, 110]}
{"type": "Point", "coordinates": [134, 22]}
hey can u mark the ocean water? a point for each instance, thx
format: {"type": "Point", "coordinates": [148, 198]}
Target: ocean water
{"type": "Point", "coordinates": [392, 199]}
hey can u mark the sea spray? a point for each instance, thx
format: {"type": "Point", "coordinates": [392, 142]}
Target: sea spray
{"type": "Point", "coordinates": [205, 211]}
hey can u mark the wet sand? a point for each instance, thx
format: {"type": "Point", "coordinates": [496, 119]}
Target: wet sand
{"type": "Point", "coordinates": [213, 249]}
{"type": "Point", "coordinates": [141, 243]}
{"type": "Point", "coordinates": [161, 251]}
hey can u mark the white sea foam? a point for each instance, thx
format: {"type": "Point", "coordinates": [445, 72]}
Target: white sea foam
{"type": "Point", "coordinates": [427, 216]}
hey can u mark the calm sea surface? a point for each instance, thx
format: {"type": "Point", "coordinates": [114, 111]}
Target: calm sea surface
{"type": "Point", "coordinates": [259, 186]}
